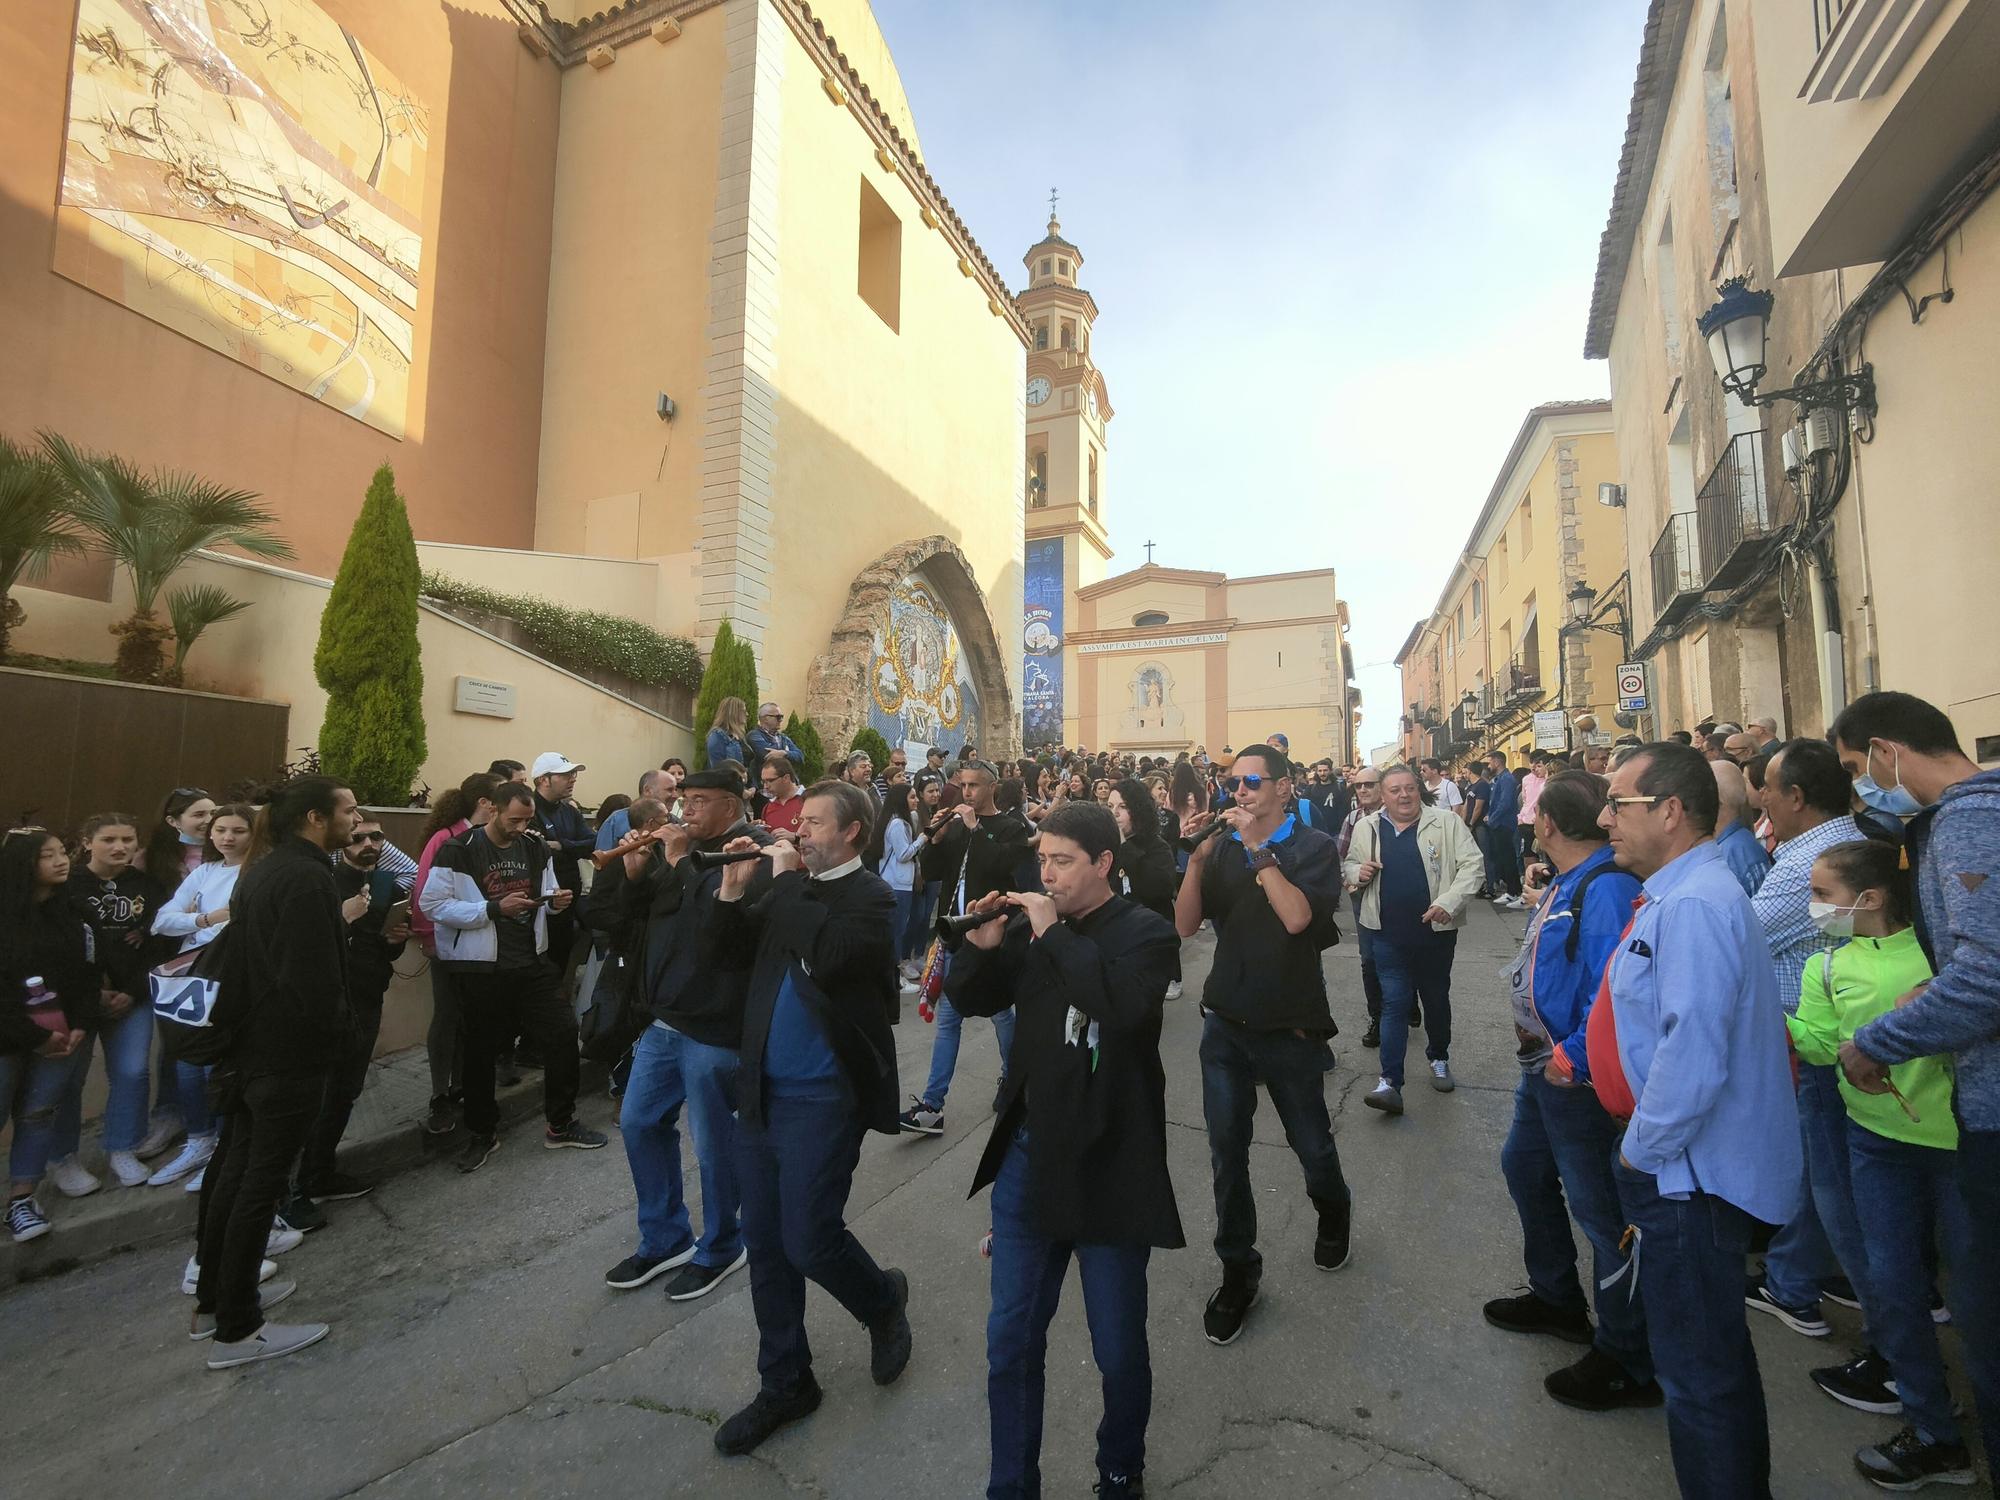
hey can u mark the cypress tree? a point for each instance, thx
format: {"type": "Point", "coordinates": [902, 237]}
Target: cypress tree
{"type": "Point", "coordinates": [866, 738]}
{"type": "Point", "coordinates": [367, 659]}
{"type": "Point", "coordinates": [805, 734]}
{"type": "Point", "coordinates": [731, 673]}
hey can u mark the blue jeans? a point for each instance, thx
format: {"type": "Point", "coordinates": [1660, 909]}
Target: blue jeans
{"type": "Point", "coordinates": [906, 902]}
{"type": "Point", "coordinates": [1503, 860]}
{"type": "Point", "coordinates": [1903, 1194]}
{"type": "Point", "coordinates": [1975, 1282]}
{"type": "Point", "coordinates": [669, 1070]}
{"type": "Point", "coordinates": [32, 1088]}
{"type": "Point", "coordinates": [191, 1088]}
{"type": "Point", "coordinates": [1825, 1239]}
{"type": "Point", "coordinates": [128, 1047]}
{"type": "Point", "coordinates": [1027, 1280]}
{"type": "Point", "coordinates": [796, 1167]}
{"type": "Point", "coordinates": [944, 1049]}
{"type": "Point", "coordinates": [1411, 972]}
{"type": "Point", "coordinates": [1689, 1263]}
{"type": "Point", "coordinates": [1561, 1143]}
{"type": "Point", "coordinates": [1482, 837]}
{"type": "Point", "coordinates": [1292, 1069]}
{"type": "Point", "coordinates": [917, 932]}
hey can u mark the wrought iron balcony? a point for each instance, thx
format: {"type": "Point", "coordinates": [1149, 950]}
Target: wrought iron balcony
{"type": "Point", "coordinates": [1735, 520]}
{"type": "Point", "coordinates": [1677, 581]}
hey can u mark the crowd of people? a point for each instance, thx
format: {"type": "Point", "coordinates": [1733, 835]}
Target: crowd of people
{"type": "Point", "coordinates": [1757, 1008]}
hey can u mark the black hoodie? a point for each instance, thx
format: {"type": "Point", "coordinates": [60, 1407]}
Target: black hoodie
{"type": "Point", "coordinates": [117, 908]}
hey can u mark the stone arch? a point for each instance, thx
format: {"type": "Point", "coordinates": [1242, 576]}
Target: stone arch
{"type": "Point", "coordinates": [837, 686]}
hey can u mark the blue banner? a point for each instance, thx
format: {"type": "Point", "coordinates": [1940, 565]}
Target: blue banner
{"type": "Point", "coordinates": [1042, 643]}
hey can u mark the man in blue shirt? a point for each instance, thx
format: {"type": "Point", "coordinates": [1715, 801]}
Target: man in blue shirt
{"type": "Point", "coordinates": [1746, 857]}
{"type": "Point", "coordinates": [768, 734]}
{"type": "Point", "coordinates": [1692, 1049]}
{"type": "Point", "coordinates": [1503, 850]}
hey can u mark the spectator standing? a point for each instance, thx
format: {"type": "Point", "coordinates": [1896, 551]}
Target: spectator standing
{"type": "Point", "coordinates": [1686, 1043]}
{"type": "Point", "coordinates": [897, 851]}
{"type": "Point", "coordinates": [1534, 776]}
{"type": "Point", "coordinates": [1478, 793]}
{"type": "Point", "coordinates": [897, 771]}
{"type": "Point", "coordinates": [768, 736]}
{"type": "Point", "coordinates": [1444, 792]}
{"type": "Point", "coordinates": [1559, 1148]}
{"type": "Point", "coordinates": [468, 805]}
{"type": "Point", "coordinates": [1272, 889]}
{"type": "Point", "coordinates": [1806, 796]}
{"type": "Point", "coordinates": [48, 993]}
{"type": "Point", "coordinates": [782, 797]}
{"type": "Point", "coordinates": [729, 735]}
{"type": "Point", "coordinates": [1143, 865]}
{"type": "Point", "coordinates": [614, 825]}
{"type": "Point", "coordinates": [818, 1073]}
{"type": "Point", "coordinates": [1953, 836]}
{"type": "Point", "coordinates": [1747, 859]}
{"type": "Point", "coordinates": [175, 846]}
{"type": "Point", "coordinates": [570, 840]}
{"type": "Point", "coordinates": [1503, 852]}
{"type": "Point", "coordinates": [1416, 867]}
{"type": "Point", "coordinates": [283, 1008]}
{"type": "Point", "coordinates": [1367, 785]}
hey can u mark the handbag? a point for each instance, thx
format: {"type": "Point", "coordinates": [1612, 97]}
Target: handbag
{"type": "Point", "coordinates": [185, 991]}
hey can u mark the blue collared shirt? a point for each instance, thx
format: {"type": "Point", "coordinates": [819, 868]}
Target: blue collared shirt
{"type": "Point", "coordinates": [1780, 904]}
{"type": "Point", "coordinates": [1702, 1042]}
{"type": "Point", "coordinates": [1745, 857]}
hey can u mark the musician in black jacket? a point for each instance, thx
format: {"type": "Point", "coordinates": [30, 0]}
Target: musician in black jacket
{"type": "Point", "coordinates": [1078, 1156]}
{"type": "Point", "coordinates": [818, 1073]}
{"type": "Point", "coordinates": [285, 1009]}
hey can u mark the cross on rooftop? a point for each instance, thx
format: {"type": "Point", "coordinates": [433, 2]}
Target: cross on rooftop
{"type": "Point", "coordinates": [1149, 553]}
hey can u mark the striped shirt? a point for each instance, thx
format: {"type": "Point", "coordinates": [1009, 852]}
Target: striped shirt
{"type": "Point", "coordinates": [1780, 904]}
{"type": "Point", "coordinates": [400, 865]}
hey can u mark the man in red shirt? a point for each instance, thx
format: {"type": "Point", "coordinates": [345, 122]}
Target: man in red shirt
{"type": "Point", "coordinates": [782, 797]}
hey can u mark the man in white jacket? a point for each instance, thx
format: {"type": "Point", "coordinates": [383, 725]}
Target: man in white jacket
{"type": "Point", "coordinates": [1416, 867]}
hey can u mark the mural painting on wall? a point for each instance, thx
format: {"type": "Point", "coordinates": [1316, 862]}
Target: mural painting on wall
{"type": "Point", "coordinates": [1151, 713]}
{"type": "Point", "coordinates": [920, 687]}
{"type": "Point", "coordinates": [1041, 644]}
{"type": "Point", "coordinates": [246, 173]}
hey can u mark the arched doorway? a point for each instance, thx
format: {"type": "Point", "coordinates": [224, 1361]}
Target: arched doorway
{"type": "Point", "coordinates": [915, 655]}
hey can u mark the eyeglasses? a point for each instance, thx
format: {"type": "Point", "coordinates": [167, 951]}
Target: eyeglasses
{"type": "Point", "coordinates": [1251, 781]}
{"type": "Point", "coordinates": [1616, 803]}
{"type": "Point", "coordinates": [367, 838]}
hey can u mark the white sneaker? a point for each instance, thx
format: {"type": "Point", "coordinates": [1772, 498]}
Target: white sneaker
{"type": "Point", "coordinates": [128, 1169]}
{"type": "Point", "coordinates": [1441, 1079]}
{"type": "Point", "coordinates": [72, 1179]}
{"type": "Point", "coordinates": [268, 1342]}
{"type": "Point", "coordinates": [282, 1240]}
{"type": "Point", "coordinates": [190, 1158]}
{"type": "Point", "coordinates": [203, 1325]}
{"type": "Point", "coordinates": [193, 1184]}
{"type": "Point", "coordinates": [166, 1129]}
{"type": "Point", "coordinates": [1173, 989]}
{"type": "Point", "coordinates": [191, 1275]}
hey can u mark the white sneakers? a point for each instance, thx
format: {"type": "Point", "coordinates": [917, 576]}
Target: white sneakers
{"type": "Point", "coordinates": [192, 1157]}
{"type": "Point", "coordinates": [166, 1126]}
{"type": "Point", "coordinates": [128, 1169]}
{"type": "Point", "coordinates": [282, 1240]}
{"type": "Point", "coordinates": [191, 1275]}
{"type": "Point", "coordinates": [1441, 1079]}
{"type": "Point", "coordinates": [72, 1179]}
{"type": "Point", "coordinates": [193, 1184]}
{"type": "Point", "coordinates": [1173, 989]}
{"type": "Point", "coordinates": [269, 1342]}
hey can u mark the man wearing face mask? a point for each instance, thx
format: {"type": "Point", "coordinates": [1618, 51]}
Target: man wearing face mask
{"type": "Point", "coordinates": [1806, 796]}
{"type": "Point", "coordinates": [1953, 837]}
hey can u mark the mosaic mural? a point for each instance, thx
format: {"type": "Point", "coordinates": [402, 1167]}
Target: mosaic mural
{"type": "Point", "coordinates": [246, 173]}
{"type": "Point", "coordinates": [920, 688]}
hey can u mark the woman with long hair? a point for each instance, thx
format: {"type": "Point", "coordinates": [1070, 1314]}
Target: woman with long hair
{"type": "Point", "coordinates": [895, 849]}
{"type": "Point", "coordinates": [48, 993]}
{"type": "Point", "coordinates": [464, 806]}
{"type": "Point", "coordinates": [729, 735]}
{"type": "Point", "coordinates": [174, 847]}
{"type": "Point", "coordinates": [195, 914]}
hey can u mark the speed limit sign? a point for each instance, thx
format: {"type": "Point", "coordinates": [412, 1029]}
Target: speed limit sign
{"type": "Point", "coordinates": [1632, 687]}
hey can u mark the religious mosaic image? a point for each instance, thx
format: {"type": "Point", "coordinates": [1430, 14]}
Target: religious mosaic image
{"type": "Point", "coordinates": [246, 173]}
{"type": "Point", "coordinates": [1152, 712]}
{"type": "Point", "coordinates": [920, 686]}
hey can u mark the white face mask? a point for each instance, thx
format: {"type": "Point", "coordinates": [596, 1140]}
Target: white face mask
{"type": "Point", "coordinates": [1834, 921]}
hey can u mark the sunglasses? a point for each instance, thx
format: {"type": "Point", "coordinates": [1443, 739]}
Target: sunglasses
{"type": "Point", "coordinates": [366, 838]}
{"type": "Point", "coordinates": [1252, 781]}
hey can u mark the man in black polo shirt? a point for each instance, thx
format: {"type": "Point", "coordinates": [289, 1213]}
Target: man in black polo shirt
{"type": "Point", "coordinates": [1272, 888]}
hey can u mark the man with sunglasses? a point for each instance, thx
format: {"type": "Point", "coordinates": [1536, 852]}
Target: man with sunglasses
{"type": "Point", "coordinates": [1272, 888]}
{"type": "Point", "coordinates": [1691, 1052]}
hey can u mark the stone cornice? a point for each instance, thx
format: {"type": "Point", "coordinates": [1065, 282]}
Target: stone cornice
{"type": "Point", "coordinates": [567, 43]}
{"type": "Point", "coordinates": [1056, 291]}
{"type": "Point", "coordinates": [1154, 632]}
{"type": "Point", "coordinates": [1151, 573]}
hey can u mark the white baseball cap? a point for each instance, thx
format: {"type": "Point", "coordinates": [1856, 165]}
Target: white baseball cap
{"type": "Point", "coordinates": [552, 763]}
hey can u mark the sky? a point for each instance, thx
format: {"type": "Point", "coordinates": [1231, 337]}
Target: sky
{"type": "Point", "coordinates": [1338, 247]}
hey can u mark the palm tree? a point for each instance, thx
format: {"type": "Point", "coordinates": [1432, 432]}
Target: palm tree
{"type": "Point", "coordinates": [36, 527]}
{"type": "Point", "coordinates": [151, 524]}
{"type": "Point", "coordinates": [193, 609]}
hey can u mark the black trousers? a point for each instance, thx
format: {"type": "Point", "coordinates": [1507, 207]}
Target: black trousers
{"type": "Point", "coordinates": [343, 1087]}
{"type": "Point", "coordinates": [499, 1004]}
{"type": "Point", "coordinates": [261, 1136]}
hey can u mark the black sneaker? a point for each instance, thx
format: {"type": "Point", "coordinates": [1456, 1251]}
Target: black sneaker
{"type": "Point", "coordinates": [337, 1187]}
{"type": "Point", "coordinates": [764, 1416]}
{"type": "Point", "coordinates": [697, 1280]}
{"type": "Point", "coordinates": [1333, 1244]}
{"type": "Point", "coordinates": [637, 1270]}
{"type": "Point", "coordinates": [1840, 1289]}
{"type": "Point", "coordinates": [576, 1134]}
{"type": "Point", "coordinates": [1862, 1383]}
{"type": "Point", "coordinates": [301, 1213]}
{"type": "Point", "coordinates": [1806, 1319]}
{"type": "Point", "coordinates": [477, 1149]}
{"type": "Point", "coordinates": [1372, 1037]}
{"type": "Point", "coordinates": [1597, 1382]}
{"type": "Point", "coordinates": [1227, 1307]}
{"type": "Point", "coordinates": [1123, 1486]}
{"type": "Point", "coordinates": [1907, 1462]}
{"type": "Point", "coordinates": [1528, 1313]}
{"type": "Point", "coordinates": [505, 1074]}
{"type": "Point", "coordinates": [441, 1118]}
{"type": "Point", "coordinates": [527, 1056]}
{"type": "Point", "coordinates": [922, 1119]}
{"type": "Point", "coordinates": [889, 1336]}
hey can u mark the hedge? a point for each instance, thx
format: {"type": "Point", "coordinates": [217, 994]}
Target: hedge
{"type": "Point", "coordinates": [581, 637]}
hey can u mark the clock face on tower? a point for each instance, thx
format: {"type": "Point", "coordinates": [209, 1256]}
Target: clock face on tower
{"type": "Point", "coordinates": [1093, 406]}
{"type": "Point", "coordinates": [1038, 390]}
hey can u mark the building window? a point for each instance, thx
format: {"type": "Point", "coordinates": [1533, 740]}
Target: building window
{"type": "Point", "coordinates": [1666, 286]}
{"type": "Point", "coordinates": [1458, 620]}
{"type": "Point", "coordinates": [1086, 340]}
{"type": "Point", "coordinates": [1475, 600]}
{"type": "Point", "coordinates": [1062, 266]}
{"type": "Point", "coordinates": [1149, 619]}
{"type": "Point", "coordinates": [1038, 488]}
{"type": "Point", "coordinates": [1093, 481]}
{"type": "Point", "coordinates": [1068, 334]}
{"type": "Point", "coordinates": [1527, 525]}
{"type": "Point", "coordinates": [1500, 561]}
{"type": "Point", "coordinates": [1041, 335]}
{"type": "Point", "coordinates": [880, 278]}
{"type": "Point", "coordinates": [1045, 265]}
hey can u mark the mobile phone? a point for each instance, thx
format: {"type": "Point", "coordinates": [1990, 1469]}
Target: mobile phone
{"type": "Point", "coordinates": [399, 913]}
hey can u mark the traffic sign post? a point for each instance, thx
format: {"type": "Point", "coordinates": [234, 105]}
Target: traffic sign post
{"type": "Point", "coordinates": [1632, 697]}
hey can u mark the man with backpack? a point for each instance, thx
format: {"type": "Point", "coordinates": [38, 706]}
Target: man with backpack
{"type": "Point", "coordinates": [1561, 1142]}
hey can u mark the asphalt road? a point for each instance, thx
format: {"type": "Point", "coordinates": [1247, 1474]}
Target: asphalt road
{"type": "Point", "coordinates": [477, 1352]}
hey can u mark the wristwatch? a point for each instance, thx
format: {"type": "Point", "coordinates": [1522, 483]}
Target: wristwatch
{"type": "Point", "coordinates": [1262, 860]}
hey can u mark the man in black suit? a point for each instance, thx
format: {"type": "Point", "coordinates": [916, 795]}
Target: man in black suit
{"type": "Point", "coordinates": [1078, 1156]}
{"type": "Point", "coordinates": [818, 1073]}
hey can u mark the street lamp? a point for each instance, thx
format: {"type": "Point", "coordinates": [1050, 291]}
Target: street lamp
{"type": "Point", "coordinates": [1737, 331]}
{"type": "Point", "coordinates": [1580, 599]}
{"type": "Point", "coordinates": [1582, 614]}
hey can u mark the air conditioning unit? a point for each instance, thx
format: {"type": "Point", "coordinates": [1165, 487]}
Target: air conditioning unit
{"type": "Point", "coordinates": [1793, 449]}
{"type": "Point", "coordinates": [1612, 495]}
{"type": "Point", "coordinates": [1821, 431]}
